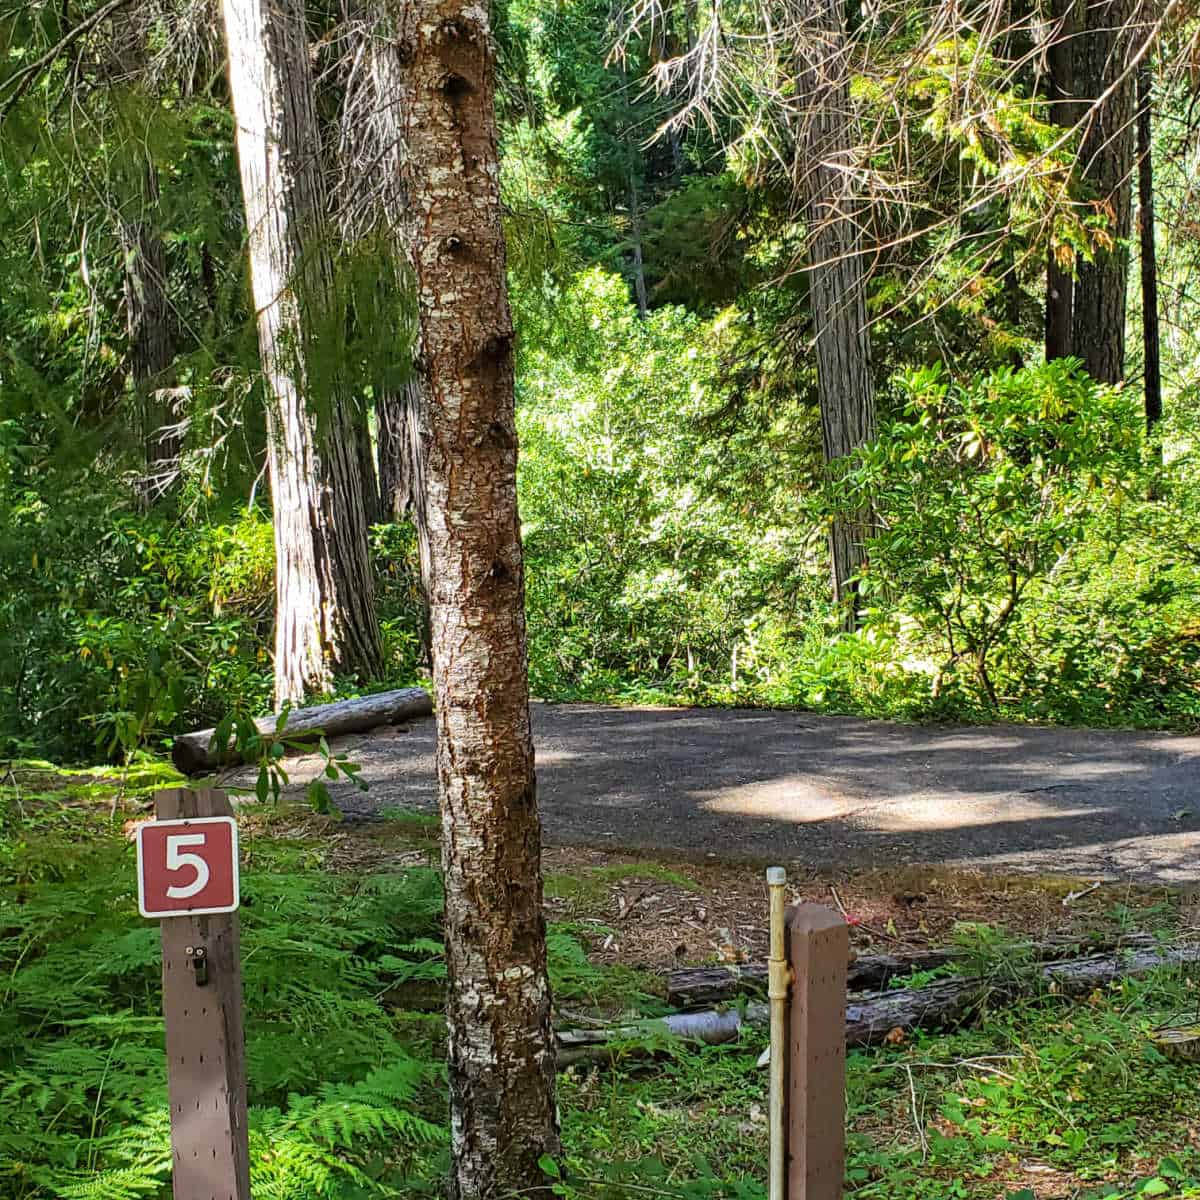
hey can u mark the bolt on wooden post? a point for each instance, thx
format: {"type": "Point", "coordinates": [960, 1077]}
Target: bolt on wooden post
{"type": "Point", "coordinates": [188, 877]}
{"type": "Point", "coordinates": [818, 946]}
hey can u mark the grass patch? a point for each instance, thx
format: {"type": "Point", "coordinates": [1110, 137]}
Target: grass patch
{"type": "Point", "coordinates": [588, 887]}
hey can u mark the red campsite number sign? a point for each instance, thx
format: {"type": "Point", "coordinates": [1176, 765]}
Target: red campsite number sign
{"type": "Point", "coordinates": [187, 867]}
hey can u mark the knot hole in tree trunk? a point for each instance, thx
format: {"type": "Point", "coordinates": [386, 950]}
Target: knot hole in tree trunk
{"type": "Point", "coordinates": [456, 88]}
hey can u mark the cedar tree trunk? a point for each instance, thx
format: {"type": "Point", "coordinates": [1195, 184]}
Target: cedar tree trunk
{"type": "Point", "coordinates": [325, 619]}
{"type": "Point", "coordinates": [837, 285]}
{"type": "Point", "coordinates": [1064, 112]}
{"type": "Point", "coordinates": [151, 335]}
{"type": "Point", "coordinates": [373, 153]}
{"type": "Point", "coordinates": [1106, 156]}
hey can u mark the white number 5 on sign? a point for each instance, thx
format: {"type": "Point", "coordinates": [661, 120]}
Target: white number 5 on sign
{"type": "Point", "coordinates": [177, 861]}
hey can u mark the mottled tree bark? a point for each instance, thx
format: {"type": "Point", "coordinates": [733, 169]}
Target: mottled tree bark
{"type": "Point", "coordinates": [1102, 52]}
{"type": "Point", "coordinates": [1064, 112]}
{"type": "Point", "coordinates": [498, 997]}
{"type": "Point", "coordinates": [325, 619]}
{"type": "Point", "coordinates": [1152, 366]}
{"type": "Point", "coordinates": [837, 284]}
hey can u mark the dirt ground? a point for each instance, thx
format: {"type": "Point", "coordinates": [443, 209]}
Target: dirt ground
{"type": "Point", "coordinates": [830, 793]}
{"type": "Point", "coordinates": [657, 912]}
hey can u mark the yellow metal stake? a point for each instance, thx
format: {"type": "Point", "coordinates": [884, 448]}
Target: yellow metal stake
{"type": "Point", "coordinates": [778, 979]}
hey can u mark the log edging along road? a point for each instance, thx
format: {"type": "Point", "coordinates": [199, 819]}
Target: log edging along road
{"type": "Point", "coordinates": [872, 1016]}
{"type": "Point", "coordinates": [697, 987]}
{"type": "Point", "coordinates": [195, 753]}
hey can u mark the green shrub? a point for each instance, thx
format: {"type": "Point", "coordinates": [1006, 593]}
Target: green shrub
{"type": "Point", "coordinates": [978, 494]}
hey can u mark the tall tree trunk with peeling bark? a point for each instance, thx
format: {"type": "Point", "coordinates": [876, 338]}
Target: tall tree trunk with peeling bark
{"type": "Point", "coordinates": [374, 210]}
{"type": "Point", "coordinates": [836, 275]}
{"type": "Point", "coordinates": [1102, 52]}
{"type": "Point", "coordinates": [501, 1050]}
{"type": "Point", "coordinates": [325, 619]}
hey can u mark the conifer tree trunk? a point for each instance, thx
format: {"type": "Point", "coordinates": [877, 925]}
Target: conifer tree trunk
{"type": "Point", "coordinates": [374, 149]}
{"type": "Point", "coordinates": [372, 498]}
{"type": "Point", "coordinates": [837, 285]}
{"type": "Point", "coordinates": [1064, 112]}
{"type": "Point", "coordinates": [399, 413]}
{"type": "Point", "coordinates": [1152, 366]}
{"type": "Point", "coordinates": [325, 619]}
{"type": "Point", "coordinates": [151, 334]}
{"type": "Point", "coordinates": [149, 322]}
{"type": "Point", "coordinates": [501, 1051]}
{"type": "Point", "coordinates": [1102, 52]}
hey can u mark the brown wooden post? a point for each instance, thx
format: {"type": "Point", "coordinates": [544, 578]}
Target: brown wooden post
{"type": "Point", "coordinates": [818, 951]}
{"type": "Point", "coordinates": [206, 1057]}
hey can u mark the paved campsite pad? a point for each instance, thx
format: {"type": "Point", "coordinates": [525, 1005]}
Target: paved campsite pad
{"type": "Point", "coordinates": [833, 792]}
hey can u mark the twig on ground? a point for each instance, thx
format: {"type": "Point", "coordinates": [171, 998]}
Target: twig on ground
{"type": "Point", "coordinates": [1071, 897]}
{"type": "Point", "coordinates": [918, 1123]}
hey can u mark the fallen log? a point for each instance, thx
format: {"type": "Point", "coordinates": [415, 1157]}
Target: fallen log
{"type": "Point", "coordinates": [605, 1043]}
{"type": "Point", "coordinates": [872, 1017]}
{"type": "Point", "coordinates": [697, 987]}
{"type": "Point", "coordinates": [950, 1001]}
{"type": "Point", "coordinates": [195, 753]}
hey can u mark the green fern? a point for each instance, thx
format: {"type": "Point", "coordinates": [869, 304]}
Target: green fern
{"type": "Point", "coordinates": [83, 1110]}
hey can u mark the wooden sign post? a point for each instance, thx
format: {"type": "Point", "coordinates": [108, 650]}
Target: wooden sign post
{"type": "Point", "coordinates": [818, 945]}
{"type": "Point", "coordinates": [188, 877]}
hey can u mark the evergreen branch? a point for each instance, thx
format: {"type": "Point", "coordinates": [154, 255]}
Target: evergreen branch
{"type": "Point", "coordinates": [25, 77]}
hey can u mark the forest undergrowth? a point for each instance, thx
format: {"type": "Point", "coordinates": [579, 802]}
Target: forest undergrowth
{"type": "Point", "coordinates": [347, 1087]}
{"type": "Point", "coordinates": [1031, 559]}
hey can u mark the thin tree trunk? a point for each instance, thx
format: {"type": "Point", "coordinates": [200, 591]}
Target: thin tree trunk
{"type": "Point", "coordinates": [1149, 263]}
{"type": "Point", "coordinates": [1106, 165]}
{"type": "Point", "coordinates": [151, 340]}
{"type": "Point", "coordinates": [501, 1048]}
{"type": "Point", "coordinates": [372, 498]}
{"type": "Point", "coordinates": [325, 619]}
{"type": "Point", "coordinates": [1064, 112]}
{"type": "Point", "coordinates": [837, 285]}
{"type": "Point", "coordinates": [402, 464]}
{"type": "Point", "coordinates": [373, 152]}
{"type": "Point", "coordinates": [635, 240]}
{"type": "Point", "coordinates": [633, 199]}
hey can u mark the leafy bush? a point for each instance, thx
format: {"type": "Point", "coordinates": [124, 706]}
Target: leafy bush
{"type": "Point", "coordinates": [979, 493]}
{"type": "Point", "coordinates": [120, 629]}
{"type": "Point", "coordinates": [645, 569]}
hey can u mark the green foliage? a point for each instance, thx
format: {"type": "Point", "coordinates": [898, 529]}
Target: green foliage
{"type": "Point", "coordinates": [977, 491]}
{"type": "Point", "coordinates": [642, 569]}
{"type": "Point", "coordinates": [340, 1106]}
{"type": "Point", "coordinates": [122, 629]}
{"type": "Point", "coordinates": [1079, 1089]}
